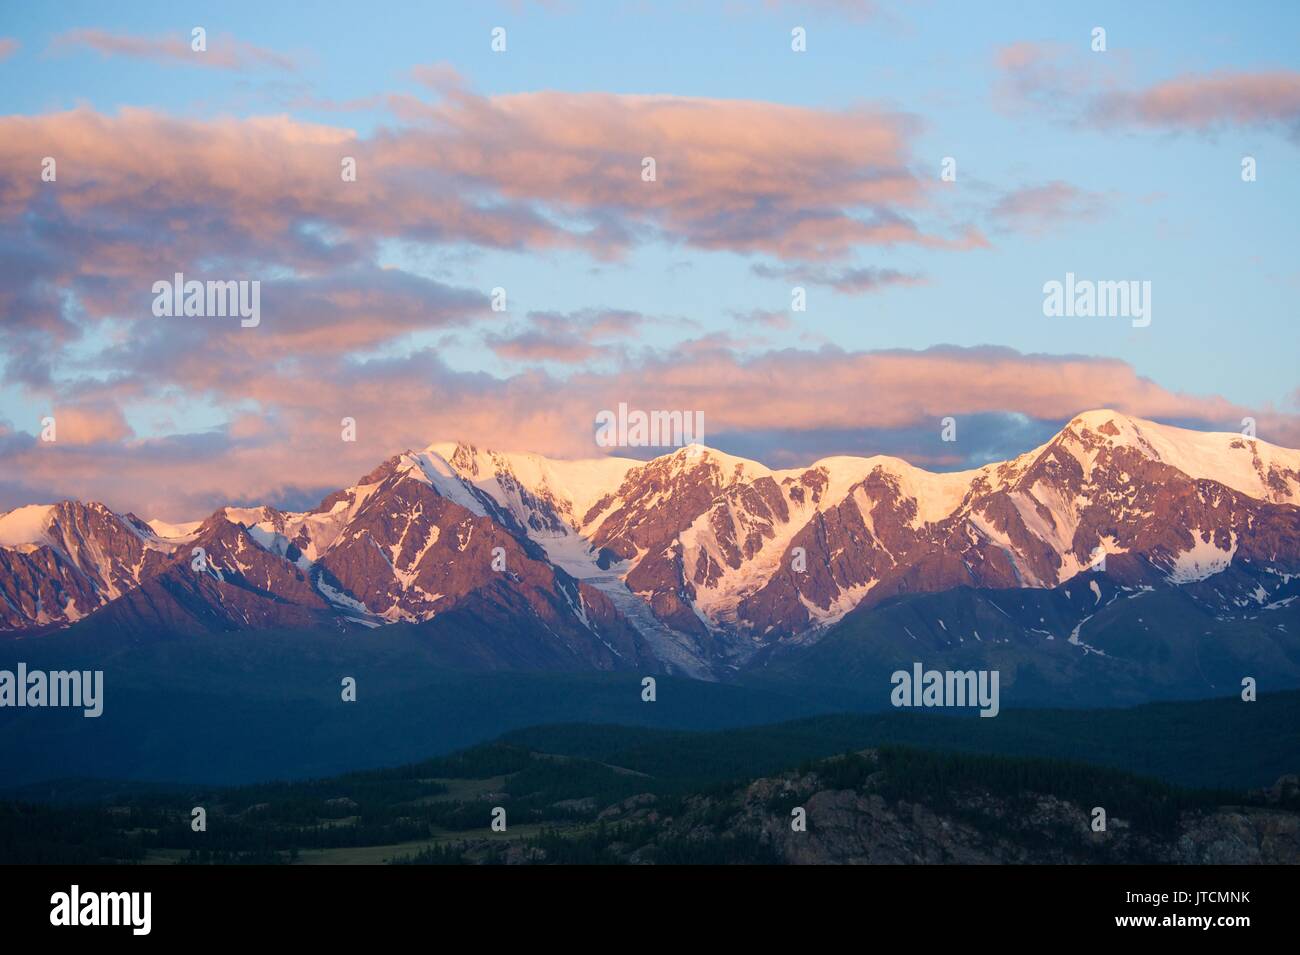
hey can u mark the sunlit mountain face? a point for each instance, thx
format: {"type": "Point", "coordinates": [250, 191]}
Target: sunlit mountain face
{"type": "Point", "coordinates": [696, 562]}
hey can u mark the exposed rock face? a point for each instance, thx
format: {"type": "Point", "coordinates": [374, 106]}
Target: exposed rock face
{"type": "Point", "coordinates": [866, 824]}
{"type": "Point", "coordinates": [643, 522]}
{"type": "Point", "coordinates": [221, 579]}
{"type": "Point", "coordinates": [737, 556]}
{"type": "Point", "coordinates": [392, 549]}
{"type": "Point", "coordinates": [697, 559]}
{"type": "Point", "coordinates": [1239, 837]}
{"type": "Point", "coordinates": [901, 807]}
{"type": "Point", "coordinates": [60, 562]}
{"type": "Point", "coordinates": [1039, 521]}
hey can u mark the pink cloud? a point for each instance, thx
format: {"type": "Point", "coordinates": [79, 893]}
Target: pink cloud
{"type": "Point", "coordinates": [8, 46]}
{"type": "Point", "coordinates": [534, 346]}
{"type": "Point", "coordinates": [531, 172]}
{"type": "Point", "coordinates": [1073, 85]}
{"type": "Point", "coordinates": [536, 171]}
{"type": "Point", "coordinates": [568, 339]}
{"type": "Point", "coordinates": [734, 174]}
{"type": "Point", "coordinates": [1204, 101]}
{"type": "Point", "coordinates": [90, 425]}
{"type": "Point", "coordinates": [442, 77]}
{"type": "Point", "coordinates": [414, 401]}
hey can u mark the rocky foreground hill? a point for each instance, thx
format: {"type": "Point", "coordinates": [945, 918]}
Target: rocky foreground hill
{"type": "Point", "coordinates": [900, 807]}
{"type": "Point", "coordinates": [858, 812]}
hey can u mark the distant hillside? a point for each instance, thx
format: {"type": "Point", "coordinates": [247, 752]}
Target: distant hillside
{"type": "Point", "coordinates": [245, 707]}
{"type": "Point", "coordinates": [633, 803]}
{"type": "Point", "coordinates": [1219, 744]}
{"type": "Point", "coordinates": [248, 707]}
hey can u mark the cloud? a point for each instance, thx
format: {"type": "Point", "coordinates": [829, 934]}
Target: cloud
{"type": "Point", "coordinates": [1037, 209]}
{"type": "Point", "coordinates": [534, 172]}
{"type": "Point", "coordinates": [531, 172]}
{"type": "Point", "coordinates": [1074, 86]}
{"type": "Point", "coordinates": [441, 77]}
{"type": "Point", "coordinates": [1045, 77]}
{"type": "Point", "coordinates": [738, 175]}
{"type": "Point", "coordinates": [87, 425]}
{"type": "Point", "coordinates": [88, 247]}
{"type": "Point", "coordinates": [358, 309]}
{"type": "Point", "coordinates": [801, 190]}
{"type": "Point", "coordinates": [1202, 102]}
{"type": "Point", "coordinates": [222, 52]}
{"type": "Point", "coordinates": [847, 281]}
{"type": "Point", "coordinates": [572, 338]}
{"type": "Point", "coordinates": [533, 346]}
{"type": "Point", "coordinates": [775, 404]}
{"type": "Point", "coordinates": [8, 47]}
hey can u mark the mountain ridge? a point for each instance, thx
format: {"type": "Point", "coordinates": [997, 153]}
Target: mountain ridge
{"type": "Point", "coordinates": [694, 562]}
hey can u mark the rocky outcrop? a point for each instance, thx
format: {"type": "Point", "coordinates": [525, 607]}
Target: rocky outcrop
{"type": "Point", "coordinates": [869, 824]}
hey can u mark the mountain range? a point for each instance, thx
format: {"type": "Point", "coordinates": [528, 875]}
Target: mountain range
{"type": "Point", "coordinates": [1121, 548]}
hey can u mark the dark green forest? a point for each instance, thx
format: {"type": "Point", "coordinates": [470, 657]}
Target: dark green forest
{"type": "Point", "coordinates": [587, 793]}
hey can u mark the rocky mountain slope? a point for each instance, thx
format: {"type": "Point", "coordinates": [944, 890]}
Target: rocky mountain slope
{"type": "Point", "coordinates": [403, 545]}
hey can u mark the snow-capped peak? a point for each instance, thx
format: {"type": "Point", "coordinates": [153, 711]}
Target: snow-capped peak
{"type": "Point", "coordinates": [25, 525]}
{"type": "Point", "coordinates": [1249, 465]}
{"type": "Point", "coordinates": [171, 532]}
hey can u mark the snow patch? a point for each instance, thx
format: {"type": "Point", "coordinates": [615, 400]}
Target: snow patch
{"type": "Point", "coordinates": [1204, 559]}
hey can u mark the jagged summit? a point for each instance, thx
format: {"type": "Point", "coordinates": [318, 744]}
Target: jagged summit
{"type": "Point", "coordinates": [1171, 444]}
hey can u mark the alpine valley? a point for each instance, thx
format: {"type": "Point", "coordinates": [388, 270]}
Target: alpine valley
{"type": "Point", "coordinates": [1123, 561]}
